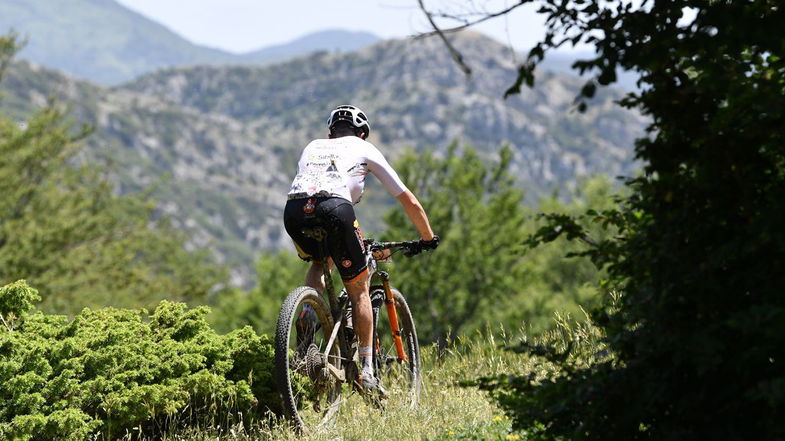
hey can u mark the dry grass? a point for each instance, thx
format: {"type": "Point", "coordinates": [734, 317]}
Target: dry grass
{"type": "Point", "coordinates": [446, 409]}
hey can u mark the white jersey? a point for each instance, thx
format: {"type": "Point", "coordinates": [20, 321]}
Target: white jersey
{"type": "Point", "coordinates": [338, 166]}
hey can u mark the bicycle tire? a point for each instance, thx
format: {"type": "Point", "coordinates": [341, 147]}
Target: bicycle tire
{"type": "Point", "coordinates": [398, 377]}
{"type": "Point", "coordinates": [311, 396]}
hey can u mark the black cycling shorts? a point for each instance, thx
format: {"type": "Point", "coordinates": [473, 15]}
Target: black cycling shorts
{"type": "Point", "coordinates": [336, 216]}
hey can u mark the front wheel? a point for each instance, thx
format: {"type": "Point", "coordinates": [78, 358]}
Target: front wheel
{"type": "Point", "coordinates": [399, 375]}
{"type": "Point", "coordinates": [311, 395]}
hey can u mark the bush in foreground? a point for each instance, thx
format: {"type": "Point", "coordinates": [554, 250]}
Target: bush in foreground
{"type": "Point", "coordinates": [111, 371]}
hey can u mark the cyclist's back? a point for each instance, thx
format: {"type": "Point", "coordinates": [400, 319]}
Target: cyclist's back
{"type": "Point", "coordinates": [337, 167]}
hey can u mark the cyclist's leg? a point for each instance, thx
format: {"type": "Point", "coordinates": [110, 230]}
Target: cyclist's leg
{"type": "Point", "coordinates": [348, 252]}
{"type": "Point", "coordinates": [315, 275]}
{"type": "Point", "coordinates": [295, 220]}
{"type": "Point", "coordinates": [362, 315]}
{"type": "Point", "coordinates": [362, 318]}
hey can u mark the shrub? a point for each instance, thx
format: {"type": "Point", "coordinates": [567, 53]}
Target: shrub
{"type": "Point", "coordinates": [112, 371]}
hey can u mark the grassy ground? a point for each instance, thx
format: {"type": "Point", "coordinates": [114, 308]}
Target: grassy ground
{"type": "Point", "coordinates": [447, 411]}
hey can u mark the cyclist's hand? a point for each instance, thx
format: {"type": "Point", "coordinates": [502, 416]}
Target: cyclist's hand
{"type": "Point", "coordinates": [430, 244]}
{"type": "Point", "coordinates": [422, 245]}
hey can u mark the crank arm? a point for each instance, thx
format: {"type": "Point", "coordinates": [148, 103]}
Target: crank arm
{"type": "Point", "coordinates": [339, 374]}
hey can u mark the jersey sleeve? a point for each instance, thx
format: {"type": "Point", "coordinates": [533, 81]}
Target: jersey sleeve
{"type": "Point", "coordinates": [379, 167]}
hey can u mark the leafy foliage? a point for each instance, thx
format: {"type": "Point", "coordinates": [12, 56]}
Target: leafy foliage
{"type": "Point", "coordinates": [8, 47]}
{"type": "Point", "coordinates": [111, 371]}
{"type": "Point", "coordinates": [698, 333]}
{"type": "Point", "coordinates": [478, 213]}
{"type": "Point", "coordinates": [560, 279]}
{"type": "Point", "coordinates": [15, 300]}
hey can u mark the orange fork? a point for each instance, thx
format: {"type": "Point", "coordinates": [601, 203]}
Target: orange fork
{"type": "Point", "coordinates": [392, 314]}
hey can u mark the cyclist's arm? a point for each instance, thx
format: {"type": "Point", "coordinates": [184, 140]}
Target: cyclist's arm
{"type": "Point", "coordinates": [379, 166]}
{"type": "Point", "coordinates": [416, 214]}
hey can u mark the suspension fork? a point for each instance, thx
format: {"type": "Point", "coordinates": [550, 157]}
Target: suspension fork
{"type": "Point", "coordinates": [392, 314]}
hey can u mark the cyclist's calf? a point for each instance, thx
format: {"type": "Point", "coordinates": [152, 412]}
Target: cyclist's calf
{"type": "Point", "coordinates": [315, 275]}
{"type": "Point", "coordinates": [362, 316]}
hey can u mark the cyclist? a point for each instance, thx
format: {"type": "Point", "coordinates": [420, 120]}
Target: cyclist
{"type": "Point", "coordinates": [330, 180]}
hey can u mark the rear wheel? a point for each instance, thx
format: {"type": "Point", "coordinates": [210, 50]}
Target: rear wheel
{"type": "Point", "coordinates": [311, 395]}
{"type": "Point", "coordinates": [397, 375]}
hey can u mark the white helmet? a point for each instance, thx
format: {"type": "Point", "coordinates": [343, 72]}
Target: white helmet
{"type": "Point", "coordinates": [354, 115]}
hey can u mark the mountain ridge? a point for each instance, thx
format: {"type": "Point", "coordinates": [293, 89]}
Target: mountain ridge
{"type": "Point", "coordinates": [105, 42]}
{"type": "Point", "coordinates": [325, 40]}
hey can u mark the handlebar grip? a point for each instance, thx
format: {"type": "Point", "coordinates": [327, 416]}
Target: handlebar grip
{"type": "Point", "coordinates": [430, 244]}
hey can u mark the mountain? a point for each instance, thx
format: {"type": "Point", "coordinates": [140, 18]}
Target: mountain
{"type": "Point", "coordinates": [98, 40]}
{"type": "Point", "coordinates": [420, 99]}
{"type": "Point", "coordinates": [330, 40]}
{"type": "Point", "coordinates": [220, 143]}
{"type": "Point", "coordinates": [107, 43]}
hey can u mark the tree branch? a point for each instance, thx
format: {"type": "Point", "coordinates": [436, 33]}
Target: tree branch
{"type": "Point", "coordinates": [466, 25]}
{"type": "Point", "coordinates": [455, 54]}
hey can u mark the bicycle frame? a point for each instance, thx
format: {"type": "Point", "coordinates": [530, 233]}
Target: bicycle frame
{"type": "Point", "coordinates": [349, 370]}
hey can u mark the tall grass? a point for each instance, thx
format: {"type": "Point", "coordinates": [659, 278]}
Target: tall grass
{"type": "Point", "coordinates": [446, 411]}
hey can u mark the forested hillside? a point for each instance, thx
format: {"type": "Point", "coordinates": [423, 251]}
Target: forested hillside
{"type": "Point", "coordinates": [231, 135]}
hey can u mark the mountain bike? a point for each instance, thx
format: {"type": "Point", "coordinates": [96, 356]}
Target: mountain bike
{"type": "Point", "coordinates": [316, 360]}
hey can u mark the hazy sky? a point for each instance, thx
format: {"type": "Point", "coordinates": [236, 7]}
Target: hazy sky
{"type": "Point", "coordinates": [243, 25]}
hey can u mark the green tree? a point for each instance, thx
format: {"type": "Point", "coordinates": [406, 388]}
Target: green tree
{"type": "Point", "coordinates": [557, 279]}
{"type": "Point", "coordinates": [697, 335]}
{"type": "Point", "coordinates": [63, 229]}
{"type": "Point", "coordinates": [481, 274]}
{"type": "Point", "coordinates": [479, 215]}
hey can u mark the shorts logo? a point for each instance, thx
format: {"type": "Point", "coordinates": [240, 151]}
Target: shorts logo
{"type": "Point", "coordinates": [309, 207]}
{"type": "Point", "coordinates": [346, 263]}
{"type": "Point", "coordinates": [358, 233]}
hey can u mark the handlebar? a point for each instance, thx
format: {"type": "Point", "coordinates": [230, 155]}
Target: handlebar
{"type": "Point", "coordinates": [409, 248]}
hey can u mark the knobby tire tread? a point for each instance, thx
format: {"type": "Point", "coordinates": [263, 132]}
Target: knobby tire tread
{"type": "Point", "coordinates": [286, 318]}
